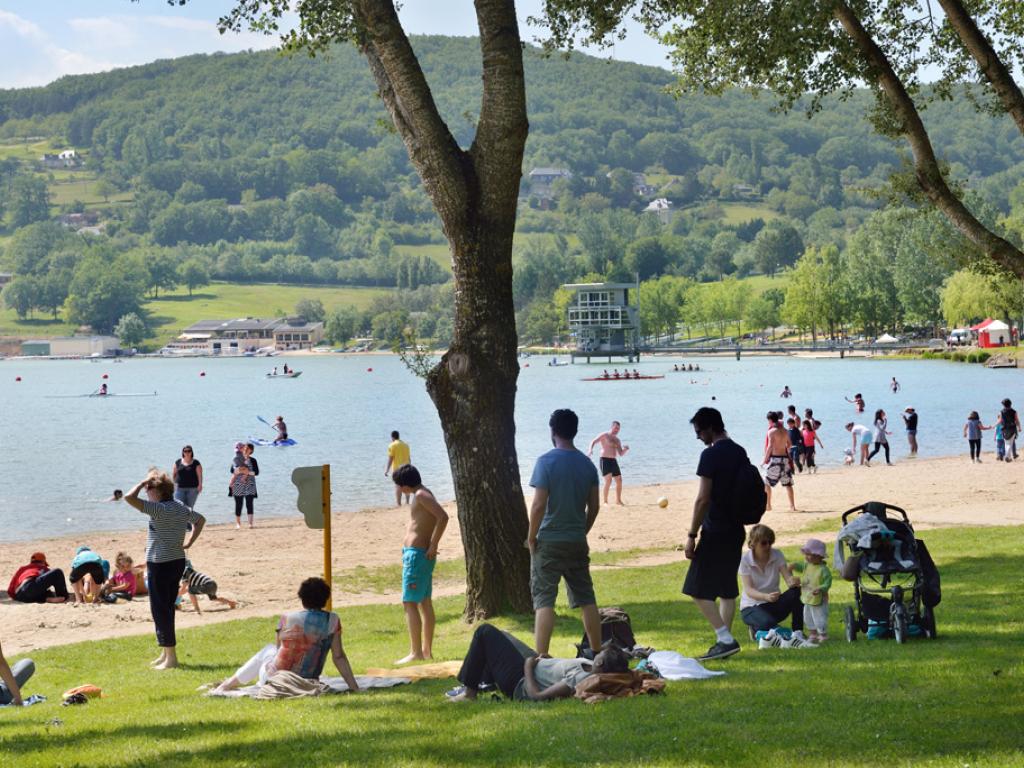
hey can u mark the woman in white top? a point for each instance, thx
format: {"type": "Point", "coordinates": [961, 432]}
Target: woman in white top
{"type": "Point", "coordinates": [762, 567]}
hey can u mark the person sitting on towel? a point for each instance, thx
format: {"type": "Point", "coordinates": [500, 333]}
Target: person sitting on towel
{"type": "Point", "coordinates": [303, 639]}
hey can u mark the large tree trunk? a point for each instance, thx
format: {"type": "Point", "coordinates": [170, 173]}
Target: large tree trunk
{"type": "Point", "coordinates": [926, 166]}
{"type": "Point", "coordinates": [475, 194]}
{"type": "Point", "coordinates": [988, 60]}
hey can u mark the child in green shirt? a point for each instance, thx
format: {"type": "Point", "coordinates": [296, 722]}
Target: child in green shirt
{"type": "Point", "coordinates": [815, 581]}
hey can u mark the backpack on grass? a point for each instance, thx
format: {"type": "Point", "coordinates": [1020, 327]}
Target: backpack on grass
{"type": "Point", "coordinates": [615, 628]}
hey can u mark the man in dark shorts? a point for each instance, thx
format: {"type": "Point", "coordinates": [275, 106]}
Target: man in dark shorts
{"type": "Point", "coordinates": [1011, 428]}
{"type": "Point", "coordinates": [564, 508]}
{"type": "Point", "coordinates": [910, 420]}
{"type": "Point", "coordinates": [715, 559]}
{"type": "Point", "coordinates": [611, 449]}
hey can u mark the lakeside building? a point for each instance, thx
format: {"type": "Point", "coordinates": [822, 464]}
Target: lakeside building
{"type": "Point", "coordinates": [247, 335]}
{"type": "Point", "coordinates": [603, 322]}
{"type": "Point", "coordinates": [72, 346]}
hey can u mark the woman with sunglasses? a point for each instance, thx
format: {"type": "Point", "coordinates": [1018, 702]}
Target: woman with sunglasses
{"type": "Point", "coordinates": [188, 478]}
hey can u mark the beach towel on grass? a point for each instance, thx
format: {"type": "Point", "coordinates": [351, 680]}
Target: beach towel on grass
{"type": "Point", "coordinates": [288, 685]}
{"type": "Point", "coordinates": [675, 666]}
{"type": "Point", "coordinates": [438, 671]}
{"type": "Point", "coordinates": [617, 685]}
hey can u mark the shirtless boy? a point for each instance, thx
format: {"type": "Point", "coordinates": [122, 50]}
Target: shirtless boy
{"type": "Point", "coordinates": [776, 459]}
{"type": "Point", "coordinates": [427, 521]}
{"type": "Point", "coordinates": [611, 449]}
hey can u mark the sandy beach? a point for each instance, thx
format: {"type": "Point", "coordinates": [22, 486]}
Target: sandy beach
{"type": "Point", "coordinates": [261, 568]}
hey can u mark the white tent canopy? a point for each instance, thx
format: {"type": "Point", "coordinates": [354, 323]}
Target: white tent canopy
{"type": "Point", "coordinates": [996, 325]}
{"type": "Point", "coordinates": [885, 338]}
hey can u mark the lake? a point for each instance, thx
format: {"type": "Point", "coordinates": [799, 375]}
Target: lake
{"type": "Point", "coordinates": [63, 456]}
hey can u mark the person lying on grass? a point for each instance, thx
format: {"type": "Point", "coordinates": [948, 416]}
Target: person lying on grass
{"type": "Point", "coordinates": [303, 639]}
{"type": "Point", "coordinates": [494, 657]}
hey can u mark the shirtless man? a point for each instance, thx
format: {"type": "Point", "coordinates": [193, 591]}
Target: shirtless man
{"type": "Point", "coordinates": [776, 459]}
{"type": "Point", "coordinates": [427, 521]}
{"type": "Point", "coordinates": [611, 449]}
{"type": "Point", "coordinates": [858, 401]}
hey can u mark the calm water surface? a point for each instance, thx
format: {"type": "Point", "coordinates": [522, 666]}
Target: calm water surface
{"type": "Point", "coordinates": [62, 457]}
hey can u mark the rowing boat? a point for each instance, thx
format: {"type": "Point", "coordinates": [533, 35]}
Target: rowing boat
{"type": "Point", "coordinates": [109, 394]}
{"type": "Point", "coordinates": [623, 378]}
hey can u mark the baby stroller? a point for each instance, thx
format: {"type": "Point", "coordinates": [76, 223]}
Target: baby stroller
{"type": "Point", "coordinates": [895, 582]}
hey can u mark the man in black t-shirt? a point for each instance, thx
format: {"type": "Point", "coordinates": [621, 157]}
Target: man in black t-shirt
{"type": "Point", "coordinates": [711, 579]}
{"type": "Point", "coordinates": [1011, 428]}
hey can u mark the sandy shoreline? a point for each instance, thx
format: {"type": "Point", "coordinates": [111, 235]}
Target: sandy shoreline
{"type": "Point", "coordinates": [248, 564]}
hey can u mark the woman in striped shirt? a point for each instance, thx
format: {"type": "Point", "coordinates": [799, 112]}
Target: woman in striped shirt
{"type": "Point", "coordinates": [165, 554]}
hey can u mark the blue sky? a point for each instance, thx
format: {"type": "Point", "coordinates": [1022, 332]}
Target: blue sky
{"type": "Point", "coordinates": [41, 40]}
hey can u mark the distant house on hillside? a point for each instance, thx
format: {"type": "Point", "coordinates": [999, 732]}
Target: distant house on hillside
{"type": "Point", "coordinates": [5, 278]}
{"type": "Point", "coordinates": [541, 180]}
{"type": "Point", "coordinates": [640, 186]}
{"type": "Point", "coordinates": [662, 208]}
{"type": "Point", "coordinates": [66, 159]}
{"type": "Point", "coordinates": [745, 190]}
{"type": "Point", "coordinates": [77, 221]}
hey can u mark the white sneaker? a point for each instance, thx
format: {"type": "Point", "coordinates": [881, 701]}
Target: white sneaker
{"type": "Point", "coordinates": [797, 640]}
{"type": "Point", "coordinates": [773, 640]}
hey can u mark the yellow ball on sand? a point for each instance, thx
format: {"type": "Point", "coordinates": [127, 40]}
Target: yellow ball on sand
{"type": "Point", "coordinates": [662, 502]}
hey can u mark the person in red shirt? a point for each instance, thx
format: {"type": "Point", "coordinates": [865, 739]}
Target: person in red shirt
{"type": "Point", "coordinates": [38, 583]}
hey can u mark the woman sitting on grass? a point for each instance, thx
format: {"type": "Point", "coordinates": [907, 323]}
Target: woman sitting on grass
{"type": "Point", "coordinates": [762, 606]}
{"type": "Point", "coordinates": [303, 639]}
{"type": "Point", "coordinates": [493, 656]}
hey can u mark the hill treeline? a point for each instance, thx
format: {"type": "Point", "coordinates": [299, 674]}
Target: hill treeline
{"type": "Point", "coordinates": [257, 166]}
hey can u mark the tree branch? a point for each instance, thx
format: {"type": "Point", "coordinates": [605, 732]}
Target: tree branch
{"type": "Point", "coordinates": [503, 126]}
{"type": "Point", "coordinates": [989, 62]}
{"type": "Point", "coordinates": [407, 96]}
{"type": "Point", "coordinates": [926, 166]}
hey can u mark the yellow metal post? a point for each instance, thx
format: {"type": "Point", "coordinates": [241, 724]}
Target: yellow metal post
{"type": "Point", "coordinates": [325, 496]}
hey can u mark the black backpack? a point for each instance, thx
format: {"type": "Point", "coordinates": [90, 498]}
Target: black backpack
{"type": "Point", "coordinates": [615, 627]}
{"type": "Point", "coordinates": [749, 498]}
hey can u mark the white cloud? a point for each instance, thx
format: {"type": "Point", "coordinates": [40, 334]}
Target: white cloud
{"type": "Point", "coordinates": [104, 31]}
{"type": "Point", "coordinates": [31, 57]}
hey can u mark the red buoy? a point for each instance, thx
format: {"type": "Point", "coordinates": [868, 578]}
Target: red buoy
{"type": "Point", "coordinates": [369, 370]}
{"type": "Point", "coordinates": [105, 376]}
{"type": "Point", "coordinates": [17, 378]}
{"type": "Point", "coordinates": [202, 373]}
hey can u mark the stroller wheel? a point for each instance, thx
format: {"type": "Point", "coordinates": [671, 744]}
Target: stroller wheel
{"type": "Point", "coordinates": [851, 624]}
{"type": "Point", "coordinates": [898, 616]}
{"type": "Point", "coordinates": [928, 622]}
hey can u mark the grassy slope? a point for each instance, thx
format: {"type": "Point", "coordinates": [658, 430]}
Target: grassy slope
{"type": "Point", "coordinates": [951, 702]}
{"type": "Point", "coordinates": [172, 312]}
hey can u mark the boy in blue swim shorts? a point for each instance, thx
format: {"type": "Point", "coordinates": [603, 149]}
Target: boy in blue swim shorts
{"type": "Point", "coordinates": [427, 521]}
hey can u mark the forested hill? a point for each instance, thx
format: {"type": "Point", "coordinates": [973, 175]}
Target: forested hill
{"type": "Point", "coordinates": [257, 167]}
{"type": "Point", "coordinates": [249, 109]}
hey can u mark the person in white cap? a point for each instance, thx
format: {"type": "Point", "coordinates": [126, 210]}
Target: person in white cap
{"type": "Point", "coordinates": [815, 582]}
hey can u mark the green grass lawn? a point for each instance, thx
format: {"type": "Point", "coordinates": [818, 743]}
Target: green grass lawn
{"type": "Point", "coordinates": [81, 187]}
{"type": "Point", "coordinates": [737, 213]}
{"type": "Point", "coordinates": [955, 702]}
{"type": "Point", "coordinates": [174, 311]}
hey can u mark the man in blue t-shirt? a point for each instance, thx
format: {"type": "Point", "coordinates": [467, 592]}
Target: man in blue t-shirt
{"type": "Point", "coordinates": [565, 505]}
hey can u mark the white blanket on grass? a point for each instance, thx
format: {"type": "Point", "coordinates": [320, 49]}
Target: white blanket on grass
{"type": "Point", "coordinates": [675, 666]}
{"type": "Point", "coordinates": [335, 684]}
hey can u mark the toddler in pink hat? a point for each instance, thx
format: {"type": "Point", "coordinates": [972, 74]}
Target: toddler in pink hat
{"type": "Point", "coordinates": [815, 582]}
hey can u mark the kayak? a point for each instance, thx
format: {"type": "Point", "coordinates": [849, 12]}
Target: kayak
{"type": "Point", "coordinates": [109, 394]}
{"type": "Point", "coordinates": [289, 375]}
{"type": "Point", "coordinates": [271, 443]}
{"type": "Point", "coordinates": [623, 378]}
